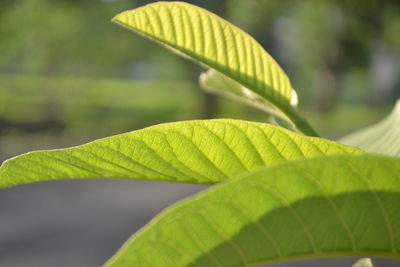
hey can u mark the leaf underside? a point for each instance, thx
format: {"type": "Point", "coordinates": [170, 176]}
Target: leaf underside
{"type": "Point", "coordinates": [219, 84]}
{"type": "Point", "coordinates": [347, 205]}
{"type": "Point", "coordinates": [203, 152]}
{"type": "Point", "coordinates": [214, 42]}
{"type": "Point", "coordinates": [381, 138]}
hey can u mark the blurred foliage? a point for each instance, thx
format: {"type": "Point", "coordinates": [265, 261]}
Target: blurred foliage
{"type": "Point", "coordinates": [82, 104]}
{"type": "Point", "coordinates": [335, 51]}
{"type": "Point", "coordinates": [76, 38]}
{"type": "Point", "coordinates": [65, 69]}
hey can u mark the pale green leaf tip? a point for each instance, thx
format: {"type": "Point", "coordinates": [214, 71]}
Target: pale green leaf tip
{"type": "Point", "coordinates": [116, 18]}
{"type": "Point", "coordinates": [294, 99]}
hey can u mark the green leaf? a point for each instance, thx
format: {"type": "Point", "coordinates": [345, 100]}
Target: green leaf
{"type": "Point", "coordinates": [203, 152]}
{"type": "Point", "coordinates": [211, 41]}
{"type": "Point", "coordinates": [217, 83]}
{"type": "Point", "coordinates": [381, 138]}
{"type": "Point", "coordinates": [324, 207]}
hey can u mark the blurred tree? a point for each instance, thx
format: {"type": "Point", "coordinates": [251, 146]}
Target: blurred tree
{"type": "Point", "coordinates": [74, 38]}
{"type": "Point", "coordinates": [337, 52]}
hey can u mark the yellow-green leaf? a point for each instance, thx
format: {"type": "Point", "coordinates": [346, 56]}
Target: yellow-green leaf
{"type": "Point", "coordinates": [203, 152]}
{"type": "Point", "coordinates": [212, 41]}
{"type": "Point", "coordinates": [340, 206]}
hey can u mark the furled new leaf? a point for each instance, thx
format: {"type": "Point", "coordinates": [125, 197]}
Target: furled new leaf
{"type": "Point", "coordinates": [217, 83]}
{"type": "Point", "coordinates": [381, 138]}
{"type": "Point", "coordinates": [211, 41]}
{"type": "Point", "coordinates": [323, 207]}
{"type": "Point", "coordinates": [203, 152]}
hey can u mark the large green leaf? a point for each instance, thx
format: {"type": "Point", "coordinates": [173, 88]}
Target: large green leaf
{"type": "Point", "coordinates": [217, 83]}
{"type": "Point", "coordinates": [202, 152]}
{"type": "Point", "coordinates": [381, 138]}
{"type": "Point", "coordinates": [312, 208]}
{"type": "Point", "coordinates": [208, 39]}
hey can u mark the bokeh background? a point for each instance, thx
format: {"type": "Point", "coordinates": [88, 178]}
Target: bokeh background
{"type": "Point", "coordinates": [69, 76]}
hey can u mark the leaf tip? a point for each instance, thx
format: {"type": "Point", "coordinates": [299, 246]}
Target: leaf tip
{"type": "Point", "coordinates": [117, 18]}
{"type": "Point", "coordinates": [294, 100]}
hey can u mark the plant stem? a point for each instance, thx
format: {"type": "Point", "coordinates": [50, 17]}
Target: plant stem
{"type": "Point", "coordinates": [306, 128]}
{"type": "Point", "coordinates": [300, 123]}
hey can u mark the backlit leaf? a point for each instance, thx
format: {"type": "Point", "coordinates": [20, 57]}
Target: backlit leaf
{"type": "Point", "coordinates": [217, 83]}
{"type": "Point", "coordinates": [381, 138]}
{"type": "Point", "coordinates": [324, 207]}
{"type": "Point", "coordinates": [203, 152]}
{"type": "Point", "coordinates": [212, 41]}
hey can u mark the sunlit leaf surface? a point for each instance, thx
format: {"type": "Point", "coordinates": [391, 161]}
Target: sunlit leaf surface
{"type": "Point", "coordinates": [210, 40]}
{"type": "Point", "coordinates": [325, 207]}
{"type": "Point", "coordinates": [203, 152]}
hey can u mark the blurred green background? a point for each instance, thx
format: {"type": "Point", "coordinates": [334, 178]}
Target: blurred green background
{"type": "Point", "coordinates": [69, 76]}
